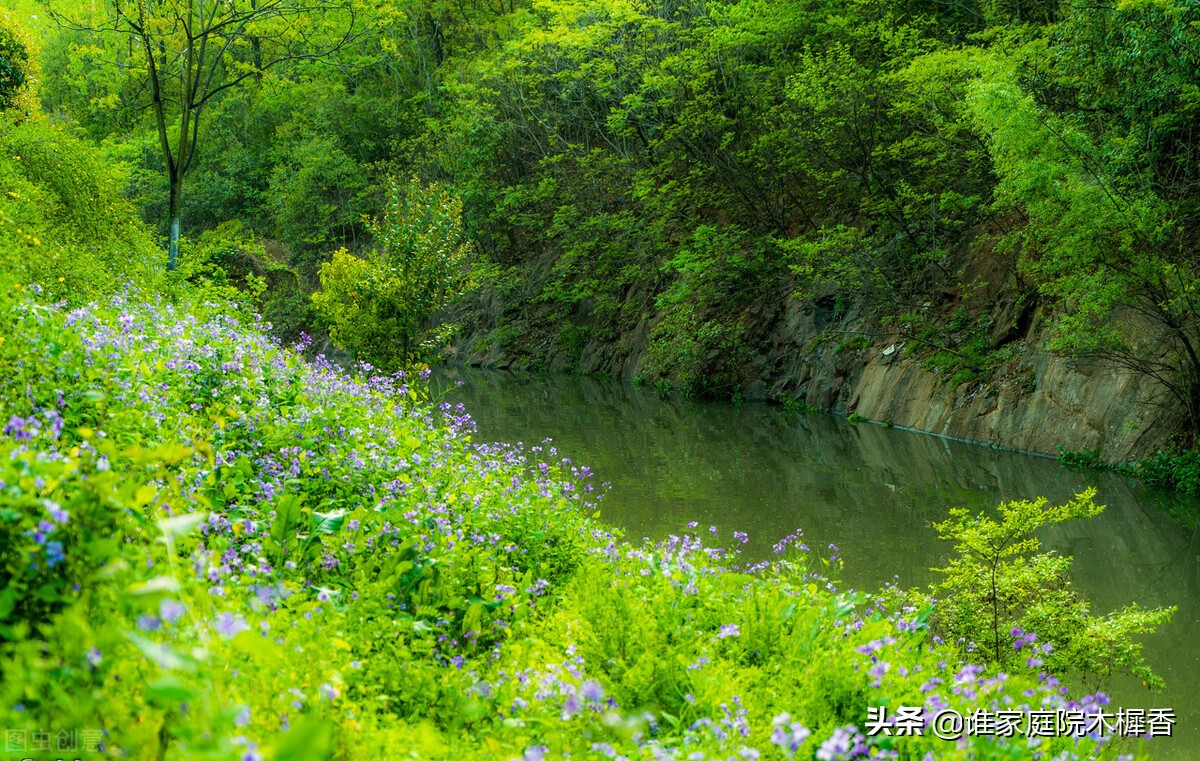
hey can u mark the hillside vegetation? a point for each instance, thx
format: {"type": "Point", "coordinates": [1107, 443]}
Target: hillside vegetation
{"type": "Point", "coordinates": [216, 545]}
{"type": "Point", "coordinates": [663, 176]}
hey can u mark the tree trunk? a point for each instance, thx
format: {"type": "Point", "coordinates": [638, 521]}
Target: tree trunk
{"type": "Point", "coordinates": [176, 222]}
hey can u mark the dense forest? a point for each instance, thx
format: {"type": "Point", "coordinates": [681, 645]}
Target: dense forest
{"type": "Point", "coordinates": [675, 169]}
{"type": "Point", "coordinates": [215, 542]}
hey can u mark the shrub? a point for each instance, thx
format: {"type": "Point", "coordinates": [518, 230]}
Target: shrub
{"type": "Point", "coordinates": [18, 69]}
{"type": "Point", "coordinates": [386, 308]}
{"type": "Point", "coordinates": [1178, 471]}
{"type": "Point", "coordinates": [62, 223]}
{"type": "Point", "coordinates": [999, 594]}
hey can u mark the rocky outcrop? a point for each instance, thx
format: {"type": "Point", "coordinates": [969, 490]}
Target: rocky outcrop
{"type": "Point", "coordinates": [1052, 402]}
{"type": "Point", "coordinates": [1035, 402]}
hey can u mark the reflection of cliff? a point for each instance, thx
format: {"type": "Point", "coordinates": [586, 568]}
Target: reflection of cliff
{"type": "Point", "coordinates": [1034, 402]}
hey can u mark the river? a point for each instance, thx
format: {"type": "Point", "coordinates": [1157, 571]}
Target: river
{"type": "Point", "coordinates": [872, 491]}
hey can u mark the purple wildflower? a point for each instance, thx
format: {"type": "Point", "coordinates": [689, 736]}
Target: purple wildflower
{"type": "Point", "coordinates": [592, 691]}
{"type": "Point", "coordinates": [229, 624]}
{"type": "Point", "coordinates": [171, 610]}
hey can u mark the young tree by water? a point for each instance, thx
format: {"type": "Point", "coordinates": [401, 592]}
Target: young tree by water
{"type": "Point", "coordinates": [1013, 602]}
{"type": "Point", "coordinates": [385, 308]}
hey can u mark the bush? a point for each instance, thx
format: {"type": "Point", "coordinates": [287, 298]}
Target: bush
{"type": "Point", "coordinates": [1178, 471]}
{"type": "Point", "coordinates": [18, 69]}
{"type": "Point", "coordinates": [318, 198]}
{"type": "Point", "coordinates": [1000, 594]}
{"type": "Point", "coordinates": [385, 309]}
{"type": "Point", "coordinates": [62, 223]}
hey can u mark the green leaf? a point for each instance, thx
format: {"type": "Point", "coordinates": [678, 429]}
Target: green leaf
{"type": "Point", "coordinates": [157, 585]}
{"type": "Point", "coordinates": [328, 523]}
{"type": "Point", "coordinates": [287, 515]}
{"type": "Point", "coordinates": [308, 740]}
{"type": "Point", "coordinates": [160, 653]}
{"type": "Point", "coordinates": [168, 691]}
{"type": "Point", "coordinates": [258, 647]}
{"type": "Point", "coordinates": [181, 525]}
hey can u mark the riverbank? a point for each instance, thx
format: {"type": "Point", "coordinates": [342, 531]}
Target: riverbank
{"type": "Point", "coordinates": [874, 492]}
{"type": "Point", "coordinates": [1028, 399]}
{"type": "Point", "coordinates": [232, 551]}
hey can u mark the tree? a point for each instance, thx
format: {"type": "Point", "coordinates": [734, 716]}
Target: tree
{"type": "Point", "coordinates": [385, 308]}
{"type": "Point", "coordinates": [191, 51]}
{"type": "Point", "coordinates": [1002, 594]}
{"type": "Point", "coordinates": [1114, 253]}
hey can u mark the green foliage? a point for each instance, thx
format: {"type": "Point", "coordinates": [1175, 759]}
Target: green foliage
{"type": "Point", "coordinates": [1178, 471]}
{"type": "Point", "coordinates": [1085, 459]}
{"type": "Point", "coordinates": [1103, 239]}
{"type": "Point", "coordinates": [387, 308]}
{"type": "Point", "coordinates": [18, 68]}
{"type": "Point", "coordinates": [317, 199]}
{"type": "Point", "coordinates": [1000, 594]}
{"type": "Point", "coordinates": [699, 340]}
{"type": "Point", "coordinates": [62, 222]}
{"type": "Point", "coordinates": [960, 350]}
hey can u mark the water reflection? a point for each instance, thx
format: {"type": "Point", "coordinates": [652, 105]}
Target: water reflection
{"type": "Point", "coordinates": [873, 492]}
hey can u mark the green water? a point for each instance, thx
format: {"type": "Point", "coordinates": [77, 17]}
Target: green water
{"type": "Point", "coordinates": [871, 491]}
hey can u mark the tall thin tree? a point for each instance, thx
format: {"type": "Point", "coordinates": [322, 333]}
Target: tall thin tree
{"type": "Point", "coordinates": [194, 50]}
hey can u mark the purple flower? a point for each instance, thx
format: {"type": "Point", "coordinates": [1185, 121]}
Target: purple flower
{"type": "Point", "coordinates": [878, 670]}
{"type": "Point", "coordinates": [242, 718]}
{"type": "Point", "coordinates": [56, 512]}
{"type": "Point", "coordinates": [788, 735]}
{"type": "Point", "coordinates": [571, 707]}
{"type": "Point", "coordinates": [535, 753]}
{"type": "Point", "coordinates": [171, 610]}
{"type": "Point", "coordinates": [229, 624]}
{"type": "Point", "coordinates": [837, 744]}
{"type": "Point", "coordinates": [148, 623]}
{"type": "Point", "coordinates": [591, 690]}
{"type": "Point", "coordinates": [728, 630]}
{"type": "Point", "coordinates": [16, 428]}
{"type": "Point", "coordinates": [93, 657]}
{"type": "Point", "coordinates": [54, 553]}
